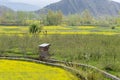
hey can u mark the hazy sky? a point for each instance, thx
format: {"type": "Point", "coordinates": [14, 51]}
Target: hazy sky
{"type": "Point", "coordinates": [117, 0]}
{"type": "Point", "coordinates": [39, 2]}
{"type": "Point", "coordinates": [36, 2]}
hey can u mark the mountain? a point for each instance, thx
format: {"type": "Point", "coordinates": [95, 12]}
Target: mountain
{"type": "Point", "coordinates": [4, 9]}
{"type": "Point", "coordinates": [19, 6]}
{"type": "Point", "coordinates": [95, 7]}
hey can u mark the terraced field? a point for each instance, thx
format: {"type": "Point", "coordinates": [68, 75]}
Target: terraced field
{"type": "Point", "coordinates": [22, 70]}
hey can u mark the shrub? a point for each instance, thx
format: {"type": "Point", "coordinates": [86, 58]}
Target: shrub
{"type": "Point", "coordinates": [34, 28]}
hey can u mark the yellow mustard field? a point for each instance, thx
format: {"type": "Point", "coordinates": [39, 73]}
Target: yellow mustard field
{"type": "Point", "coordinates": [55, 27]}
{"type": "Point", "coordinates": [84, 33]}
{"type": "Point", "coordinates": [86, 27]}
{"type": "Point", "coordinates": [22, 70]}
{"type": "Point", "coordinates": [14, 29]}
{"type": "Point", "coordinates": [61, 30]}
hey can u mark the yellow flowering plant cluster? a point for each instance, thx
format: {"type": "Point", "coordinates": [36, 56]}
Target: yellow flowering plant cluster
{"type": "Point", "coordinates": [86, 27]}
{"type": "Point", "coordinates": [14, 29]}
{"type": "Point", "coordinates": [59, 30]}
{"type": "Point", "coordinates": [55, 27]}
{"type": "Point", "coordinates": [84, 33]}
{"type": "Point", "coordinates": [22, 70]}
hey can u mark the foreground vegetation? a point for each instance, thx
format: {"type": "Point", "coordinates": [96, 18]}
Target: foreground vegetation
{"type": "Point", "coordinates": [101, 51]}
{"type": "Point", "coordinates": [21, 70]}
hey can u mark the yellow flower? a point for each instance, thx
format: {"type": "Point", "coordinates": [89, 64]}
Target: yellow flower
{"type": "Point", "coordinates": [54, 27]}
{"type": "Point", "coordinates": [86, 27]}
{"type": "Point", "coordinates": [22, 70]}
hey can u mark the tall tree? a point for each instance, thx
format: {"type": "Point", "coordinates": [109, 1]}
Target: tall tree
{"type": "Point", "coordinates": [87, 17]}
{"type": "Point", "coordinates": [53, 18]}
{"type": "Point", "coordinates": [73, 20]}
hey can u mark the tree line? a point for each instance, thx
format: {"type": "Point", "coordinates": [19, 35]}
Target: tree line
{"type": "Point", "coordinates": [17, 18]}
{"type": "Point", "coordinates": [57, 18]}
{"type": "Point", "coordinates": [85, 18]}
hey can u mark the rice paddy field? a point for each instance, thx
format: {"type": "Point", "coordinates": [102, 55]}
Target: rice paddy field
{"type": "Point", "coordinates": [22, 70]}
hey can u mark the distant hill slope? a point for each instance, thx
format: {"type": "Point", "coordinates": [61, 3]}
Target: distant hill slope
{"type": "Point", "coordinates": [22, 7]}
{"type": "Point", "coordinates": [96, 7]}
{"type": "Point", "coordinates": [4, 9]}
{"type": "Point", "coordinates": [19, 6]}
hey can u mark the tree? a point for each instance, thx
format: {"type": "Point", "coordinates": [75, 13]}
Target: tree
{"type": "Point", "coordinates": [20, 17]}
{"type": "Point", "coordinates": [73, 20]}
{"type": "Point", "coordinates": [87, 17]}
{"type": "Point", "coordinates": [53, 18]}
{"type": "Point", "coordinates": [59, 17]}
{"type": "Point", "coordinates": [34, 29]}
{"type": "Point", "coordinates": [7, 17]}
